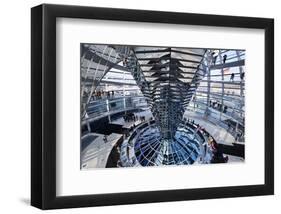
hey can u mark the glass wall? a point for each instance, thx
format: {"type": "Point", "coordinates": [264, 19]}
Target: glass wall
{"type": "Point", "coordinates": [220, 95]}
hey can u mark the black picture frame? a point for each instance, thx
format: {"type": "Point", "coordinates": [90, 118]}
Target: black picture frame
{"type": "Point", "coordinates": [43, 106]}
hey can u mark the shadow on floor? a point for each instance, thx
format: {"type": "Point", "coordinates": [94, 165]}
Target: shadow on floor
{"type": "Point", "coordinates": [25, 201]}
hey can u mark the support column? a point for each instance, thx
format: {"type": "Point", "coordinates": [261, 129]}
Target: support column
{"type": "Point", "coordinates": [222, 86]}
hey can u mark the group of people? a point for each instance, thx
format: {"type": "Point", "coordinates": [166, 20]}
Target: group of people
{"type": "Point", "coordinates": [131, 117]}
{"type": "Point", "coordinates": [216, 149]}
{"type": "Point", "coordinates": [198, 127]}
{"type": "Point", "coordinates": [224, 58]}
{"type": "Point", "coordinates": [142, 118]}
{"type": "Point", "coordinates": [218, 106]}
{"type": "Point", "coordinates": [101, 94]}
{"type": "Point", "coordinates": [215, 56]}
{"type": "Point", "coordinates": [242, 75]}
{"type": "Point", "coordinates": [190, 121]}
{"type": "Point", "coordinates": [217, 153]}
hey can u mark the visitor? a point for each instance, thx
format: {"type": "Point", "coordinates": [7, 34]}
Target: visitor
{"type": "Point", "coordinates": [104, 139]}
{"type": "Point", "coordinates": [232, 77]}
{"type": "Point", "coordinates": [224, 58]}
{"type": "Point", "coordinates": [203, 130]}
{"type": "Point", "coordinates": [214, 58]}
{"type": "Point", "coordinates": [225, 159]}
{"type": "Point", "coordinates": [125, 61]}
{"type": "Point", "coordinates": [220, 109]}
{"type": "Point", "coordinates": [242, 75]}
{"type": "Point", "coordinates": [214, 146]}
{"type": "Point", "coordinates": [237, 136]}
{"type": "Point", "coordinates": [225, 109]}
{"type": "Point", "coordinates": [218, 106]}
{"type": "Point", "coordinates": [98, 95]}
{"type": "Point", "coordinates": [229, 126]}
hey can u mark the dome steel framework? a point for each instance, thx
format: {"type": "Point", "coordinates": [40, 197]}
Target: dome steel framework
{"type": "Point", "coordinates": [173, 82]}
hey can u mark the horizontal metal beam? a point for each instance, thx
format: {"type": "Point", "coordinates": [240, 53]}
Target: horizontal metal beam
{"type": "Point", "coordinates": [228, 65]}
{"type": "Point", "coordinates": [179, 66]}
{"type": "Point", "coordinates": [168, 51]}
{"type": "Point", "coordinates": [168, 58]}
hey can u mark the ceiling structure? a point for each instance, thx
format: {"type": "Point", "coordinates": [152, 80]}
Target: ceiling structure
{"type": "Point", "coordinates": [167, 77]}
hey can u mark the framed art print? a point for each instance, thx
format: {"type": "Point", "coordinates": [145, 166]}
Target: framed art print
{"type": "Point", "coordinates": [134, 106]}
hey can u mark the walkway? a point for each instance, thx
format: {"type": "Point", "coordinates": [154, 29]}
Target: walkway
{"type": "Point", "coordinates": [95, 155]}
